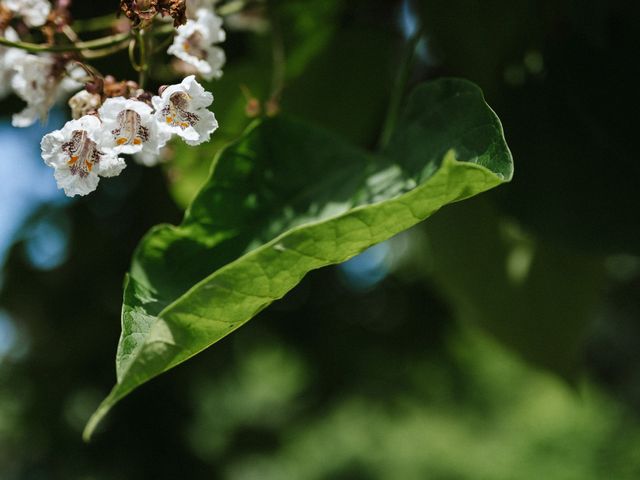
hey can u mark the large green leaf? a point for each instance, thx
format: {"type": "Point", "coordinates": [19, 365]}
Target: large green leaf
{"type": "Point", "coordinates": [288, 198]}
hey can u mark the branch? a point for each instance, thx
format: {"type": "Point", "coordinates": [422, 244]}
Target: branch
{"type": "Point", "coordinates": [96, 44]}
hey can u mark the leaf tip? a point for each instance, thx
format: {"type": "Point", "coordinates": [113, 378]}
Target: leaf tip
{"type": "Point", "coordinates": [97, 417]}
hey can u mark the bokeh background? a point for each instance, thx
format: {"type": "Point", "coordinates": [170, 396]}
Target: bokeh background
{"type": "Point", "coordinates": [498, 340]}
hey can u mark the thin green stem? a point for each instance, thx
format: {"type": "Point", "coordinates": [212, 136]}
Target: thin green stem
{"type": "Point", "coordinates": [98, 43]}
{"type": "Point", "coordinates": [104, 52]}
{"type": "Point", "coordinates": [399, 87]}
{"type": "Point", "coordinates": [132, 55]}
{"type": "Point", "coordinates": [141, 40]}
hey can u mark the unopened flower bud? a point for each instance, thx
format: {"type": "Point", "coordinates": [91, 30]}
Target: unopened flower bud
{"type": "Point", "coordinates": [144, 96]}
{"type": "Point", "coordinates": [113, 88]}
{"type": "Point", "coordinates": [84, 103]}
{"type": "Point", "coordinates": [272, 107]}
{"type": "Point", "coordinates": [252, 108]}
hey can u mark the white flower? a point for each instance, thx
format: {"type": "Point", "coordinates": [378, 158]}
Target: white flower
{"type": "Point", "coordinates": [182, 109]}
{"type": "Point", "coordinates": [8, 57]}
{"type": "Point", "coordinates": [129, 126]}
{"type": "Point", "coordinates": [40, 80]}
{"type": "Point", "coordinates": [78, 158]}
{"type": "Point", "coordinates": [195, 44]}
{"type": "Point", "coordinates": [83, 103]}
{"type": "Point", "coordinates": [33, 12]}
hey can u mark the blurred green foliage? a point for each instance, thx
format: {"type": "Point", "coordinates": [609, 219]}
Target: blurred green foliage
{"type": "Point", "coordinates": [423, 374]}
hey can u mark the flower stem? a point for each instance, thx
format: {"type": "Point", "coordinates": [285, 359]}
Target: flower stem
{"type": "Point", "coordinates": [141, 40]}
{"type": "Point", "coordinates": [98, 43]}
{"type": "Point", "coordinates": [104, 52]}
{"type": "Point", "coordinates": [399, 87]}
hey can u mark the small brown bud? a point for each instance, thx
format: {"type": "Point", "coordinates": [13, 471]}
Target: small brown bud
{"type": "Point", "coordinates": [144, 97]}
{"type": "Point", "coordinates": [272, 107]}
{"type": "Point", "coordinates": [113, 88]}
{"type": "Point", "coordinates": [96, 85]}
{"type": "Point", "coordinates": [252, 109]}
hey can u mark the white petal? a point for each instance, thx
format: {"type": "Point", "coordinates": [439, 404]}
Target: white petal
{"type": "Point", "coordinates": [90, 123]}
{"type": "Point", "coordinates": [110, 165]}
{"type": "Point", "coordinates": [205, 127]}
{"type": "Point", "coordinates": [50, 147]}
{"type": "Point", "coordinates": [73, 184]}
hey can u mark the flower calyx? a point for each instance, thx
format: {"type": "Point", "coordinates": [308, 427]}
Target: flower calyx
{"type": "Point", "coordinates": [142, 12]}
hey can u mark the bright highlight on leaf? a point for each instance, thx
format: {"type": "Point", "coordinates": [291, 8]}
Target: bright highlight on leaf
{"type": "Point", "coordinates": [288, 198]}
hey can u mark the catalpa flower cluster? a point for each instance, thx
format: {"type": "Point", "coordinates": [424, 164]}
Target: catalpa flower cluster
{"type": "Point", "coordinates": [109, 118]}
{"type": "Point", "coordinates": [90, 147]}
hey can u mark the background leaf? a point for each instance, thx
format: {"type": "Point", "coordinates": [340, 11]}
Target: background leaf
{"type": "Point", "coordinates": [534, 297]}
{"type": "Point", "coordinates": [287, 199]}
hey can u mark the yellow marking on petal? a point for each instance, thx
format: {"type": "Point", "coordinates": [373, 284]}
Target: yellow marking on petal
{"type": "Point", "coordinates": [121, 141]}
{"type": "Point", "coordinates": [137, 141]}
{"type": "Point", "coordinates": [169, 119]}
{"type": "Point", "coordinates": [184, 124]}
{"type": "Point", "coordinates": [72, 160]}
{"type": "Point", "coordinates": [89, 165]}
{"type": "Point", "coordinates": [186, 46]}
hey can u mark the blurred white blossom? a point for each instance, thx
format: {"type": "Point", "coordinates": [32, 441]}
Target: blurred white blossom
{"type": "Point", "coordinates": [33, 12]}
{"type": "Point", "coordinates": [8, 58]}
{"type": "Point", "coordinates": [40, 80]}
{"type": "Point", "coordinates": [196, 44]}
